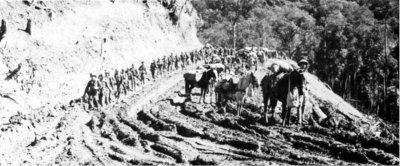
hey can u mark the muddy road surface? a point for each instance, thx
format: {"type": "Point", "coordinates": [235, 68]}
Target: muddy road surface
{"type": "Point", "coordinates": [155, 125]}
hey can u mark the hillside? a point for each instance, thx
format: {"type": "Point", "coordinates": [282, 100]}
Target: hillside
{"type": "Point", "coordinates": [71, 39]}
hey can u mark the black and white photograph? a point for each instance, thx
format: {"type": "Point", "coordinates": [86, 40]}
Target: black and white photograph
{"type": "Point", "coordinates": [199, 82]}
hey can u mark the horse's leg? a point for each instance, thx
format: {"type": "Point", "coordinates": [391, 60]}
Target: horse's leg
{"type": "Point", "coordinates": [299, 115]}
{"type": "Point", "coordinates": [203, 95]}
{"type": "Point", "coordinates": [223, 102]}
{"type": "Point", "coordinates": [210, 89]}
{"type": "Point", "coordinates": [272, 105]}
{"type": "Point", "coordinates": [284, 113]}
{"type": "Point", "coordinates": [187, 89]}
{"type": "Point", "coordinates": [190, 90]}
{"type": "Point", "coordinates": [289, 115]}
{"type": "Point", "coordinates": [239, 106]}
{"type": "Point", "coordinates": [266, 109]}
{"type": "Point", "coordinates": [216, 98]}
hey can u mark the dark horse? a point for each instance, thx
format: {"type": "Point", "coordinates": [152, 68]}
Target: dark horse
{"type": "Point", "coordinates": [279, 91]}
{"type": "Point", "coordinates": [203, 83]}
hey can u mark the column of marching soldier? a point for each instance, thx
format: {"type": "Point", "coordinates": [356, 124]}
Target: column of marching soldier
{"type": "Point", "coordinates": [102, 89]}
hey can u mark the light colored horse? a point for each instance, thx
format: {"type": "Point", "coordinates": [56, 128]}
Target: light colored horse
{"type": "Point", "coordinates": [227, 90]}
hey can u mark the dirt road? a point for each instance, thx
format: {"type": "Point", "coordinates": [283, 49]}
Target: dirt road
{"type": "Point", "coordinates": [155, 126]}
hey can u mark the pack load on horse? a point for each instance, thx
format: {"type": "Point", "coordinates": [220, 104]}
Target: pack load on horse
{"type": "Point", "coordinates": [252, 59]}
{"type": "Point", "coordinates": [229, 90]}
{"type": "Point", "coordinates": [243, 53]}
{"type": "Point", "coordinates": [286, 86]}
{"type": "Point", "coordinates": [250, 48]}
{"type": "Point", "coordinates": [208, 46]}
{"type": "Point", "coordinates": [198, 78]}
{"type": "Point", "coordinates": [219, 67]}
{"type": "Point", "coordinates": [215, 59]}
{"type": "Point", "coordinates": [228, 63]}
{"type": "Point", "coordinates": [261, 56]}
{"type": "Point", "coordinates": [270, 53]}
{"type": "Point", "coordinates": [281, 66]}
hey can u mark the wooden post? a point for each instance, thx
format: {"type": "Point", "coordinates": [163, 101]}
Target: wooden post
{"type": "Point", "coordinates": [3, 29]}
{"type": "Point", "coordinates": [385, 78]}
{"type": "Point", "coordinates": [234, 36]}
{"type": "Point", "coordinates": [28, 27]}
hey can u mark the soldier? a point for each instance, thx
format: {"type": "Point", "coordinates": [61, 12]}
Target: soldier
{"type": "Point", "coordinates": [127, 80]}
{"type": "Point", "coordinates": [92, 89]}
{"type": "Point", "coordinates": [187, 58]}
{"type": "Point", "coordinates": [192, 57]}
{"type": "Point", "coordinates": [143, 73]}
{"type": "Point", "coordinates": [105, 91]}
{"type": "Point", "coordinates": [170, 61]}
{"type": "Point", "coordinates": [153, 69]}
{"type": "Point", "coordinates": [261, 56]}
{"type": "Point", "coordinates": [159, 66]}
{"type": "Point", "coordinates": [176, 60]}
{"type": "Point", "coordinates": [182, 58]}
{"type": "Point", "coordinates": [303, 94]}
{"type": "Point", "coordinates": [129, 75]}
{"type": "Point", "coordinates": [109, 81]}
{"type": "Point", "coordinates": [164, 63]}
{"type": "Point", "coordinates": [134, 75]}
{"type": "Point", "coordinates": [124, 79]}
{"type": "Point", "coordinates": [115, 82]}
{"type": "Point", "coordinates": [118, 83]}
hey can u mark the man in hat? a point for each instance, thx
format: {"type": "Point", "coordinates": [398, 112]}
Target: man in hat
{"type": "Point", "coordinates": [118, 83]}
{"type": "Point", "coordinates": [108, 81]}
{"type": "Point", "coordinates": [153, 69]}
{"type": "Point", "coordinates": [170, 61]}
{"type": "Point", "coordinates": [303, 66]}
{"type": "Point", "coordinates": [183, 60]}
{"type": "Point", "coordinates": [91, 90]}
{"type": "Point", "coordinates": [164, 63]}
{"type": "Point", "coordinates": [261, 56]}
{"type": "Point", "coordinates": [176, 60]}
{"type": "Point", "coordinates": [135, 76]}
{"type": "Point", "coordinates": [159, 66]}
{"type": "Point", "coordinates": [104, 92]}
{"type": "Point", "coordinates": [142, 72]}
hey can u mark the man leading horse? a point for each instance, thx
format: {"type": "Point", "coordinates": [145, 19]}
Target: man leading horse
{"type": "Point", "coordinates": [287, 86]}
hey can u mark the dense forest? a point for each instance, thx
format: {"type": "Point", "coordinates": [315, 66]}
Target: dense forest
{"type": "Point", "coordinates": [352, 45]}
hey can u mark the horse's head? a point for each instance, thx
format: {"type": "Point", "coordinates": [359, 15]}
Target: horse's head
{"type": "Point", "coordinates": [211, 74]}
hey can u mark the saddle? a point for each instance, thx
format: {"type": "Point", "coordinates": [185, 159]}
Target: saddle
{"type": "Point", "coordinates": [194, 75]}
{"type": "Point", "coordinates": [228, 86]}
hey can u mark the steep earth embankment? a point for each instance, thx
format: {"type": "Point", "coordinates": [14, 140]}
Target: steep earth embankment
{"type": "Point", "coordinates": [70, 39]}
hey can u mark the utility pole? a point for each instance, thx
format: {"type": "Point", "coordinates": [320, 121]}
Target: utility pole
{"type": "Point", "coordinates": [234, 24]}
{"type": "Point", "coordinates": [385, 75]}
